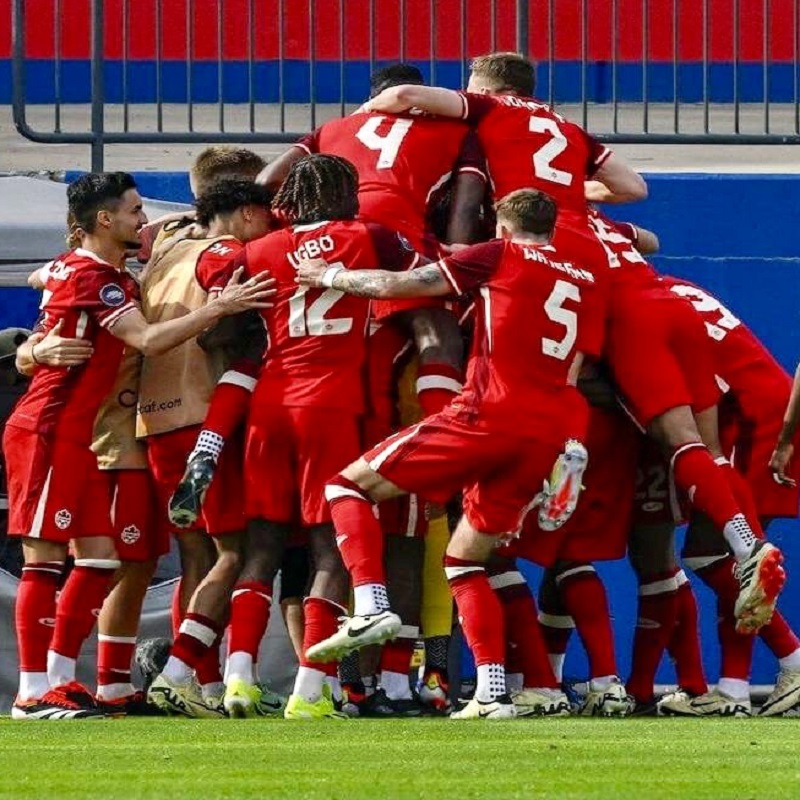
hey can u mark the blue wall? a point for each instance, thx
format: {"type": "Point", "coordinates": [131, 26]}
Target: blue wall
{"type": "Point", "coordinates": [733, 234]}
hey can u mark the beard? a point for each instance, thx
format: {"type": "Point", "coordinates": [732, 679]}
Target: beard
{"type": "Point", "coordinates": [131, 244]}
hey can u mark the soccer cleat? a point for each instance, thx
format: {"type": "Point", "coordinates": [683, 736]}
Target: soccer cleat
{"type": "Point", "coordinates": [676, 704]}
{"type": "Point", "coordinates": [356, 632]}
{"type": "Point", "coordinates": [151, 657]}
{"type": "Point", "coordinates": [354, 699]}
{"type": "Point", "coordinates": [541, 703]}
{"type": "Point", "coordinates": [300, 708]}
{"type": "Point", "coordinates": [718, 704]}
{"type": "Point", "coordinates": [270, 702]}
{"type": "Point", "coordinates": [241, 698]}
{"type": "Point", "coordinates": [184, 700]}
{"type": "Point", "coordinates": [134, 705]}
{"type": "Point", "coordinates": [761, 579]}
{"type": "Point", "coordinates": [609, 701]}
{"type": "Point", "coordinates": [560, 495]}
{"type": "Point", "coordinates": [379, 705]}
{"type": "Point", "coordinates": [187, 500]}
{"type": "Point", "coordinates": [785, 695]}
{"type": "Point", "coordinates": [434, 693]}
{"type": "Point", "coordinates": [70, 701]}
{"type": "Point", "coordinates": [500, 708]}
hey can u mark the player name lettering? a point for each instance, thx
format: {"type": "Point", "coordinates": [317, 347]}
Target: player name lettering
{"type": "Point", "coordinates": [562, 266]}
{"type": "Point", "coordinates": [313, 248]}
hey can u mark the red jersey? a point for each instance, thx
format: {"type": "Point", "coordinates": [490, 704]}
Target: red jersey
{"type": "Point", "coordinates": [744, 366]}
{"type": "Point", "coordinates": [316, 345]}
{"type": "Point", "coordinates": [89, 296]}
{"type": "Point", "coordinates": [528, 145]}
{"type": "Point", "coordinates": [533, 313]}
{"type": "Point", "coordinates": [213, 268]}
{"type": "Point", "coordinates": [404, 162]}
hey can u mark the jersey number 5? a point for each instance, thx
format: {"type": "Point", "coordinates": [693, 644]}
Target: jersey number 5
{"type": "Point", "coordinates": [554, 308]}
{"type": "Point", "coordinates": [311, 320]}
{"type": "Point", "coordinates": [387, 146]}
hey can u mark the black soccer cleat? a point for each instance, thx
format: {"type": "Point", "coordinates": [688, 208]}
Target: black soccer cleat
{"type": "Point", "coordinates": [187, 500]}
{"type": "Point", "coordinates": [151, 658]}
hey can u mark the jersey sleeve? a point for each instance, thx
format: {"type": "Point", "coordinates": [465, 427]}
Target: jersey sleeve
{"type": "Point", "coordinates": [471, 158]}
{"type": "Point", "coordinates": [476, 106]}
{"type": "Point", "coordinates": [106, 295]}
{"type": "Point", "coordinates": [393, 250]}
{"type": "Point", "coordinates": [309, 143]}
{"type": "Point", "coordinates": [598, 154]}
{"type": "Point", "coordinates": [473, 266]}
{"type": "Point", "coordinates": [215, 266]}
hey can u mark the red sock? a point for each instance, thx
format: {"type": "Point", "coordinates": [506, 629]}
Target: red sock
{"type": "Point", "coordinates": [437, 385]}
{"type": "Point", "coordinates": [479, 610]}
{"type": "Point", "coordinates": [79, 604]}
{"type": "Point", "coordinates": [358, 532]}
{"type": "Point", "coordinates": [684, 646]}
{"type": "Point", "coordinates": [176, 615]}
{"type": "Point", "coordinates": [321, 621]}
{"type": "Point", "coordinates": [114, 656]}
{"type": "Point", "coordinates": [779, 637]}
{"type": "Point", "coordinates": [250, 606]}
{"type": "Point", "coordinates": [736, 649]}
{"type": "Point", "coordinates": [35, 613]}
{"type": "Point", "coordinates": [208, 669]}
{"type": "Point", "coordinates": [396, 655]}
{"type": "Point", "coordinates": [584, 597]}
{"type": "Point", "coordinates": [195, 641]}
{"type": "Point", "coordinates": [526, 651]}
{"type": "Point", "coordinates": [744, 497]}
{"type": "Point", "coordinates": [705, 483]}
{"type": "Point", "coordinates": [231, 399]}
{"type": "Point", "coordinates": [655, 625]}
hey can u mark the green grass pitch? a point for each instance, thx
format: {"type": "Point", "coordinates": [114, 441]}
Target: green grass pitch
{"type": "Point", "coordinates": [644, 759]}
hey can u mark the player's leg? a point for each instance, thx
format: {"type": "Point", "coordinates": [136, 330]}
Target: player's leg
{"type": "Point", "coordinates": [295, 577]}
{"type": "Point", "coordinates": [556, 622]}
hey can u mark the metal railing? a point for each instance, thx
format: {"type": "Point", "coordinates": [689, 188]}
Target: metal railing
{"type": "Point", "coordinates": [254, 87]}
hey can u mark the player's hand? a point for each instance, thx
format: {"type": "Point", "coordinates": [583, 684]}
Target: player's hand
{"type": "Point", "coordinates": [779, 463]}
{"type": "Point", "coordinates": [255, 292]}
{"type": "Point", "coordinates": [56, 350]}
{"type": "Point", "coordinates": [310, 272]}
{"type": "Point", "coordinates": [387, 101]}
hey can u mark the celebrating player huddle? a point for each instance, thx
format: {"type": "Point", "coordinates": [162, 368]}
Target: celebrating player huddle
{"type": "Point", "coordinates": [286, 377]}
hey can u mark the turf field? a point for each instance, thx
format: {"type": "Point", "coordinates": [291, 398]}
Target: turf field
{"type": "Point", "coordinates": [429, 759]}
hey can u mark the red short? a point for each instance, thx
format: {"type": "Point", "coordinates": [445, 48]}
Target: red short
{"type": "Point", "coordinates": [133, 513]}
{"type": "Point", "coordinates": [290, 454]}
{"type": "Point", "coordinates": [223, 507]}
{"type": "Point", "coordinates": [748, 439]}
{"type": "Point", "coordinates": [661, 357]}
{"type": "Point", "coordinates": [436, 458]}
{"type": "Point", "coordinates": [598, 530]}
{"type": "Point", "coordinates": [52, 491]}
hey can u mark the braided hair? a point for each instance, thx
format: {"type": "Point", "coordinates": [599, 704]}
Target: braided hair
{"type": "Point", "coordinates": [318, 188]}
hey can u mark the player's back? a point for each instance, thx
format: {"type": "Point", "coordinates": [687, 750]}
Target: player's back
{"type": "Point", "coordinates": [528, 145]}
{"type": "Point", "coordinates": [87, 296]}
{"type": "Point", "coordinates": [534, 313]}
{"type": "Point", "coordinates": [744, 364]}
{"type": "Point", "coordinates": [402, 161]}
{"type": "Point", "coordinates": [316, 337]}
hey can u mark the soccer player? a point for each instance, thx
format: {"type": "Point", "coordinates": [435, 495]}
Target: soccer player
{"type": "Point", "coordinates": [498, 439]}
{"type": "Point", "coordinates": [53, 500]}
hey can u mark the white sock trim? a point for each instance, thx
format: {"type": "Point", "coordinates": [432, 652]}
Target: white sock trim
{"type": "Point", "coordinates": [510, 578]}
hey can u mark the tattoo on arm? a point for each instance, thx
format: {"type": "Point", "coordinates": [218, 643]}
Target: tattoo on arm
{"type": "Point", "coordinates": [423, 281]}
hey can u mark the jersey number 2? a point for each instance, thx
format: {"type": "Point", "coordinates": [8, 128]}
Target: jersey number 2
{"type": "Point", "coordinates": [543, 158]}
{"type": "Point", "coordinates": [310, 320]}
{"type": "Point", "coordinates": [387, 146]}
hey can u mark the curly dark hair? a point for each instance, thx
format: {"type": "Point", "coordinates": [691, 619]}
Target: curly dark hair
{"type": "Point", "coordinates": [318, 188]}
{"type": "Point", "coordinates": [229, 195]}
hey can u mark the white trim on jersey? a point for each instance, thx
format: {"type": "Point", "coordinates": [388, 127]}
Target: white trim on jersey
{"type": "Point", "coordinates": [474, 171]}
{"type": "Point", "coordinates": [113, 318]}
{"type": "Point", "coordinates": [238, 379]}
{"type": "Point", "coordinates": [309, 226]}
{"type": "Point", "coordinates": [399, 441]}
{"type": "Point", "coordinates": [438, 185]}
{"type": "Point", "coordinates": [413, 514]}
{"type": "Point", "coordinates": [81, 325]}
{"type": "Point", "coordinates": [38, 516]}
{"type": "Point", "coordinates": [449, 276]}
{"type": "Point", "coordinates": [487, 312]}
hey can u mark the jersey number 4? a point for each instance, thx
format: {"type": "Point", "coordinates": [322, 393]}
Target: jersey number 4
{"type": "Point", "coordinates": [386, 146]}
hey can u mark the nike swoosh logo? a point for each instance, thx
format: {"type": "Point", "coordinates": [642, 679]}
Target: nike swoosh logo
{"type": "Point", "coordinates": [363, 629]}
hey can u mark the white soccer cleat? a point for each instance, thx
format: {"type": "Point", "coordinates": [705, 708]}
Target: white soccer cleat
{"type": "Point", "coordinates": [559, 497]}
{"type": "Point", "coordinates": [500, 708]}
{"type": "Point", "coordinates": [676, 704]}
{"type": "Point", "coordinates": [718, 704]}
{"type": "Point", "coordinates": [611, 700]}
{"type": "Point", "coordinates": [185, 700]}
{"type": "Point", "coordinates": [761, 579]}
{"type": "Point", "coordinates": [785, 695]}
{"type": "Point", "coordinates": [356, 632]}
{"type": "Point", "coordinates": [541, 703]}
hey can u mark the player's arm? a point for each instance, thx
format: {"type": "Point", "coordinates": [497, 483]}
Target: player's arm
{"type": "Point", "coordinates": [615, 181]}
{"type": "Point", "coordinates": [380, 284]}
{"type": "Point", "coordinates": [396, 99]}
{"type": "Point", "coordinates": [784, 448]}
{"type": "Point", "coordinates": [469, 191]}
{"type": "Point", "coordinates": [155, 339]}
{"type": "Point", "coordinates": [36, 280]}
{"type": "Point", "coordinates": [51, 349]}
